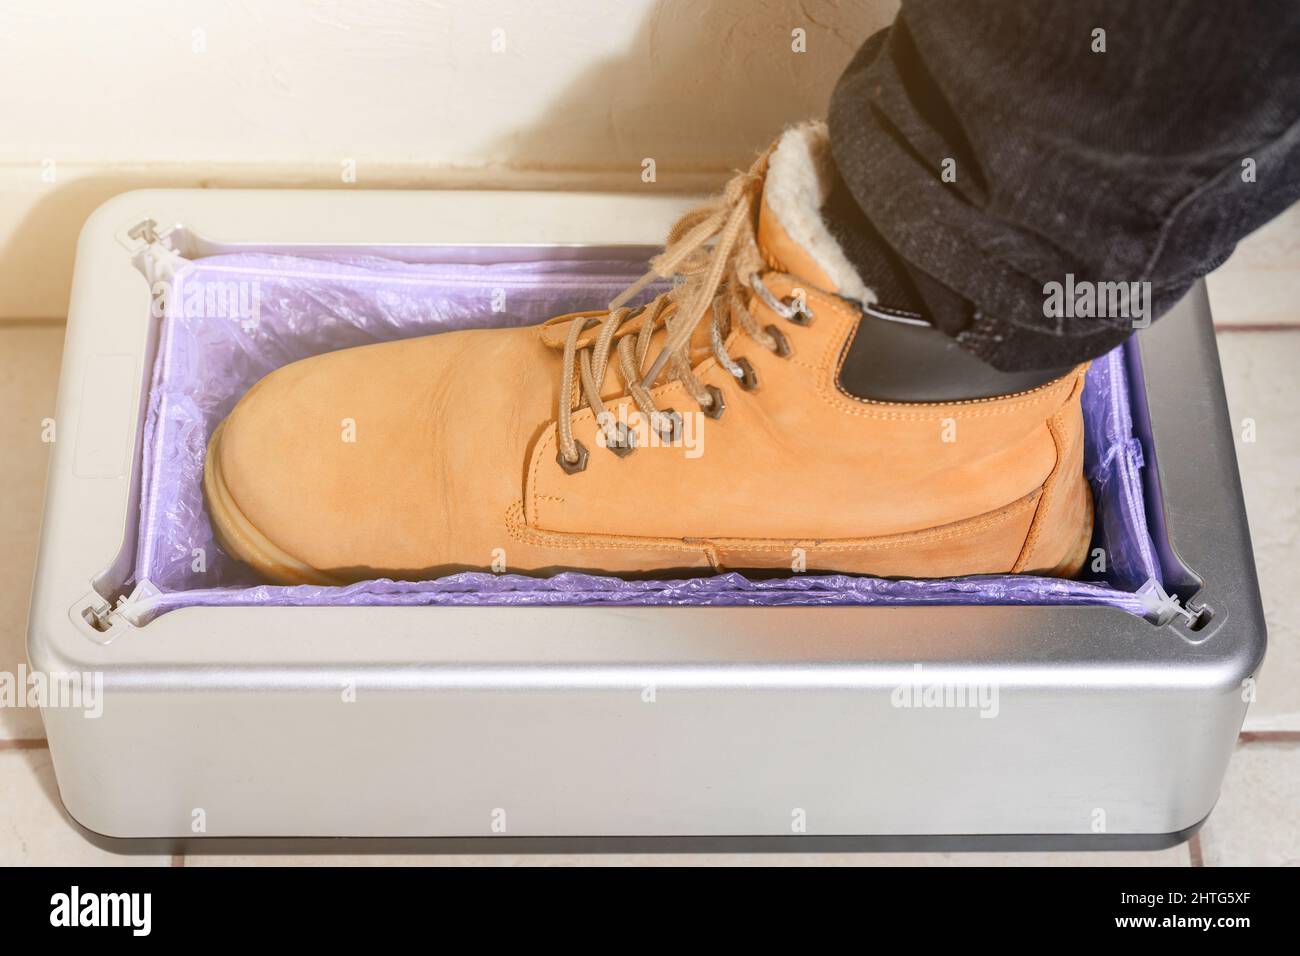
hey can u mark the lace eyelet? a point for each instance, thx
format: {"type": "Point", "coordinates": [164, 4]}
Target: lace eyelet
{"type": "Point", "coordinates": [748, 381]}
{"type": "Point", "coordinates": [624, 440]}
{"type": "Point", "coordinates": [573, 467]}
{"type": "Point", "coordinates": [782, 343]}
{"type": "Point", "coordinates": [800, 317]}
{"type": "Point", "coordinates": [669, 424]}
{"type": "Point", "coordinates": [719, 403]}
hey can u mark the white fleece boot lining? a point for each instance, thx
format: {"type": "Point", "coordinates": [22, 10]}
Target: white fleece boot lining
{"type": "Point", "coordinates": [800, 173]}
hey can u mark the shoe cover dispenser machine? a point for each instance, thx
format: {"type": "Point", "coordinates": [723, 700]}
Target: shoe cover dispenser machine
{"type": "Point", "coordinates": [237, 717]}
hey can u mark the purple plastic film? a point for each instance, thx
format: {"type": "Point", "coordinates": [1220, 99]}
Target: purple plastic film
{"type": "Point", "coordinates": [231, 319]}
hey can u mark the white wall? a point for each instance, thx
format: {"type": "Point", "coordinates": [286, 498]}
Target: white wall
{"type": "Point", "coordinates": [101, 96]}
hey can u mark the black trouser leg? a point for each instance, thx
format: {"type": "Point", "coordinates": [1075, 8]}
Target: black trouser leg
{"type": "Point", "coordinates": [1000, 151]}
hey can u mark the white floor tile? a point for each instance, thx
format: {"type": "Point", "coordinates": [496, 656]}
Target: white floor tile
{"type": "Point", "coordinates": [29, 374]}
{"type": "Point", "coordinates": [1257, 821]}
{"type": "Point", "coordinates": [1257, 286]}
{"type": "Point", "coordinates": [1259, 370]}
{"type": "Point", "coordinates": [35, 830]}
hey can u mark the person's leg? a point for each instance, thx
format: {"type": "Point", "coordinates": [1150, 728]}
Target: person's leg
{"type": "Point", "coordinates": [987, 149]}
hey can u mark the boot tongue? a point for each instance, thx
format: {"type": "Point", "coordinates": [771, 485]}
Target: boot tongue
{"type": "Point", "coordinates": [555, 332]}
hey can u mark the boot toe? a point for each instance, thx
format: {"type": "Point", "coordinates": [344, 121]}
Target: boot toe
{"type": "Point", "coordinates": [304, 480]}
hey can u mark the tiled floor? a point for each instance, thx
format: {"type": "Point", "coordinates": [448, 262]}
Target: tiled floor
{"type": "Point", "coordinates": [1256, 822]}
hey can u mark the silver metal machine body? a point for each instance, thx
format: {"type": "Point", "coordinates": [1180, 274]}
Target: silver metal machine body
{"type": "Point", "coordinates": [778, 727]}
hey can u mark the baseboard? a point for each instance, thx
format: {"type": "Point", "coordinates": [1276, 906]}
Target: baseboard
{"type": "Point", "coordinates": [43, 205]}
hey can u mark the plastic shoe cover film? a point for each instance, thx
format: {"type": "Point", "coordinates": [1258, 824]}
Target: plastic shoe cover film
{"type": "Point", "coordinates": [230, 319]}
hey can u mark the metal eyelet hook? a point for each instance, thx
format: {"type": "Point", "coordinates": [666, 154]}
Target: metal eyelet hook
{"type": "Point", "coordinates": [668, 424]}
{"type": "Point", "coordinates": [785, 308]}
{"type": "Point", "coordinates": [782, 347]}
{"type": "Point", "coordinates": [620, 439]}
{"type": "Point", "coordinates": [748, 378]}
{"type": "Point", "coordinates": [719, 405]}
{"type": "Point", "coordinates": [573, 467]}
{"type": "Point", "coordinates": [803, 316]}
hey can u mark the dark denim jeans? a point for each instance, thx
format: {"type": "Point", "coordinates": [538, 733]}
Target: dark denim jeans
{"type": "Point", "coordinates": [1141, 161]}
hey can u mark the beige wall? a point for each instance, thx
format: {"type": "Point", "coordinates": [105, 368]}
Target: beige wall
{"type": "Point", "coordinates": [98, 97]}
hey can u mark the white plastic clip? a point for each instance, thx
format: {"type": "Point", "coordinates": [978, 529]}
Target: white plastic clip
{"type": "Point", "coordinates": [152, 251]}
{"type": "Point", "coordinates": [1160, 606]}
{"type": "Point", "coordinates": [135, 605]}
{"type": "Point", "coordinates": [160, 262]}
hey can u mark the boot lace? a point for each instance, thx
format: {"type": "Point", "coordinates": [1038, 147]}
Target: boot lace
{"type": "Point", "coordinates": [713, 256]}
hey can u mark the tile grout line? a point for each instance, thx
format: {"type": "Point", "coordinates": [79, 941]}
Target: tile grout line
{"type": "Point", "coordinates": [32, 322]}
{"type": "Point", "coordinates": [1268, 737]}
{"type": "Point", "coordinates": [1220, 328]}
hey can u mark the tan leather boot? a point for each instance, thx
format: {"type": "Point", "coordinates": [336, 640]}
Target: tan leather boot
{"type": "Point", "coordinates": [705, 431]}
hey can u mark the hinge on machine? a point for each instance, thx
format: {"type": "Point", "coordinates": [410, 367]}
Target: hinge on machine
{"type": "Point", "coordinates": [106, 618]}
{"type": "Point", "coordinates": [97, 612]}
{"type": "Point", "coordinates": [146, 230]}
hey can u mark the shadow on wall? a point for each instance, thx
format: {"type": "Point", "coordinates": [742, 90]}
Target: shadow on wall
{"type": "Point", "coordinates": [704, 86]}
